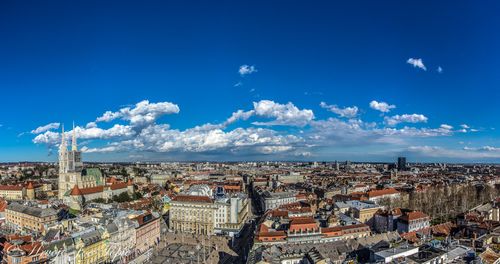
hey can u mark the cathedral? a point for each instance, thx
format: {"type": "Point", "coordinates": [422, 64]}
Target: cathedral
{"type": "Point", "coordinates": [71, 170]}
{"type": "Point", "coordinates": [77, 184]}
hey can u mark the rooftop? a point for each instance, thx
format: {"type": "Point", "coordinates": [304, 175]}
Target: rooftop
{"type": "Point", "coordinates": [33, 211]}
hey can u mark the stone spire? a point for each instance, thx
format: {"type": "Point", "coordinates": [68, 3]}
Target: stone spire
{"type": "Point", "coordinates": [62, 152]}
{"type": "Point", "coordinates": [63, 139]}
{"type": "Point", "coordinates": [74, 146]}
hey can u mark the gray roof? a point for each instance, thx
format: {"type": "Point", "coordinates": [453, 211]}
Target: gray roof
{"type": "Point", "coordinates": [335, 251]}
{"type": "Point", "coordinates": [458, 252]}
{"type": "Point", "coordinates": [59, 244]}
{"type": "Point", "coordinates": [51, 234]}
{"type": "Point", "coordinates": [91, 237]}
{"type": "Point", "coordinates": [112, 228]}
{"type": "Point", "coordinates": [33, 211]}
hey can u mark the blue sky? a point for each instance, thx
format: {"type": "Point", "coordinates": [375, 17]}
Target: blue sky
{"type": "Point", "coordinates": [169, 72]}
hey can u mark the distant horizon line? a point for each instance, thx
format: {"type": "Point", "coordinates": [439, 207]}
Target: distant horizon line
{"type": "Point", "coordinates": [262, 161]}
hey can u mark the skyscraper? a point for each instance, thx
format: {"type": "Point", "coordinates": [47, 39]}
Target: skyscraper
{"type": "Point", "coordinates": [401, 163]}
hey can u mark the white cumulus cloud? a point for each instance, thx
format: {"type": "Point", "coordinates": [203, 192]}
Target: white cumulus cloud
{"type": "Point", "coordinates": [142, 113]}
{"type": "Point", "coordinates": [283, 114]}
{"type": "Point", "coordinates": [44, 128]}
{"type": "Point", "coordinates": [418, 63]}
{"type": "Point", "coordinates": [247, 69]}
{"type": "Point", "coordinates": [349, 112]}
{"type": "Point", "coordinates": [381, 106]}
{"type": "Point", "coordinates": [445, 126]}
{"type": "Point", "coordinates": [406, 118]}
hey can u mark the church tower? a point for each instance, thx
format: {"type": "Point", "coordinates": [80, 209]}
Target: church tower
{"type": "Point", "coordinates": [70, 164]}
{"type": "Point", "coordinates": [62, 153]}
{"type": "Point", "coordinates": [74, 147]}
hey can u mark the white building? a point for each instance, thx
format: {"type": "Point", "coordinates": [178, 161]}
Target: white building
{"type": "Point", "coordinates": [272, 200]}
{"type": "Point", "coordinates": [392, 254]}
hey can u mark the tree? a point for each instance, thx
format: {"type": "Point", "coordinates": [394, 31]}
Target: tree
{"type": "Point", "coordinates": [99, 200]}
{"type": "Point", "coordinates": [137, 195]}
{"type": "Point", "coordinates": [122, 197]}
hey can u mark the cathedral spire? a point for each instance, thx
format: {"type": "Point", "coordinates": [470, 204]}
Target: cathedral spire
{"type": "Point", "coordinates": [62, 152]}
{"type": "Point", "coordinates": [63, 139]}
{"type": "Point", "coordinates": [74, 146]}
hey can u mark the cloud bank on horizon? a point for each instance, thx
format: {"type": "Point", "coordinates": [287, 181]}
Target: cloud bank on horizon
{"type": "Point", "coordinates": [267, 130]}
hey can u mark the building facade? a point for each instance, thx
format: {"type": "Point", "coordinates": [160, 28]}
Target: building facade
{"type": "Point", "coordinates": [147, 231]}
{"type": "Point", "coordinates": [12, 192]}
{"type": "Point", "coordinates": [32, 218]}
{"type": "Point", "coordinates": [192, 214]}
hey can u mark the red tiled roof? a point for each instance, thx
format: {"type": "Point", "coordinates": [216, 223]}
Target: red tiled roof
{"type": "Point", "coordinates": [92, 190]}
{"type": "Point", "coordinates": [11, 187]}
{"type": "Point", "coordinates": [301, 196]}
{"type": "Point", "coordinates": [76, 191]}
{"type": "Point", "coordinates": [3, 205]}
{"type": "Point", "coordinates": [111, 180]}
{"type": "Point", "coordinates": [140, 219]}
{"type": "Point", "coordinates": [263, 228]}
{"type": "Point", "coordinates": [353, 226]}
{"type": "Point", "coordinates": [272, 234]}
{"type": "Point", "coordinates": [413, 216]}
{"type": "Point", "coordinates": [396, 211]}
{"type": "Point", "coordinates": [30, 248]}
{"type": "Point", "coordinates": [278, 213]}
{"type": "Point", "coordinates": [232, 187]}
{"type": "Point", "coordinates": [302, 220]}
{"type": "Point", "coordinates": [260, 180]}
{"type": "Point", "coordinates": [302, 223]}
{"type": "Point", "coordinates": [331, 231]}
{"type": "Point", "coordinates": [443, 229]}
{"type": "Point", "coordinates": [300, 210]}
{"type": "Point", "coordinates": [376, 193]}
{"type": "Point", "coordinates": [118, 185]}
{"type": "Point", "coordinates": [26, 238]}
{"type": "Point", "coordinates": [385, 213]}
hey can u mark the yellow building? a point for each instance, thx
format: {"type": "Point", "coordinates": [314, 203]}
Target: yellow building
{"type": "Point", "coordinates": [12, 192]}
{"type": "Point", "coordinates": [32, 218]}
{"type": "Point", "coordinates": [92, 247]}
{"type": "Point", "coordinates": [362, 211]}
{"type": "Point", "coordinates": [364, 215]}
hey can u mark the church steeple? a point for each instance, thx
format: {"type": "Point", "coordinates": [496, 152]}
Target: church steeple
{"type": "Point", "coordinates": [62, 152]}
{"type": "Point", "coordinates": [63, 140]}
{"type": "Point", "coordinates": [70, 163]}
{"type": "Point", "coordinates": [74, 146]}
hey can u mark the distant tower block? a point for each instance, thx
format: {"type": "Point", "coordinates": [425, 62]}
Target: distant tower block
{"type": "Point", "coordinates": [402, 164]}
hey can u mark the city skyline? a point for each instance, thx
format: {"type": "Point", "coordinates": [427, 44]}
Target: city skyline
{"type": "Point", "coordinates": [251, 81]}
